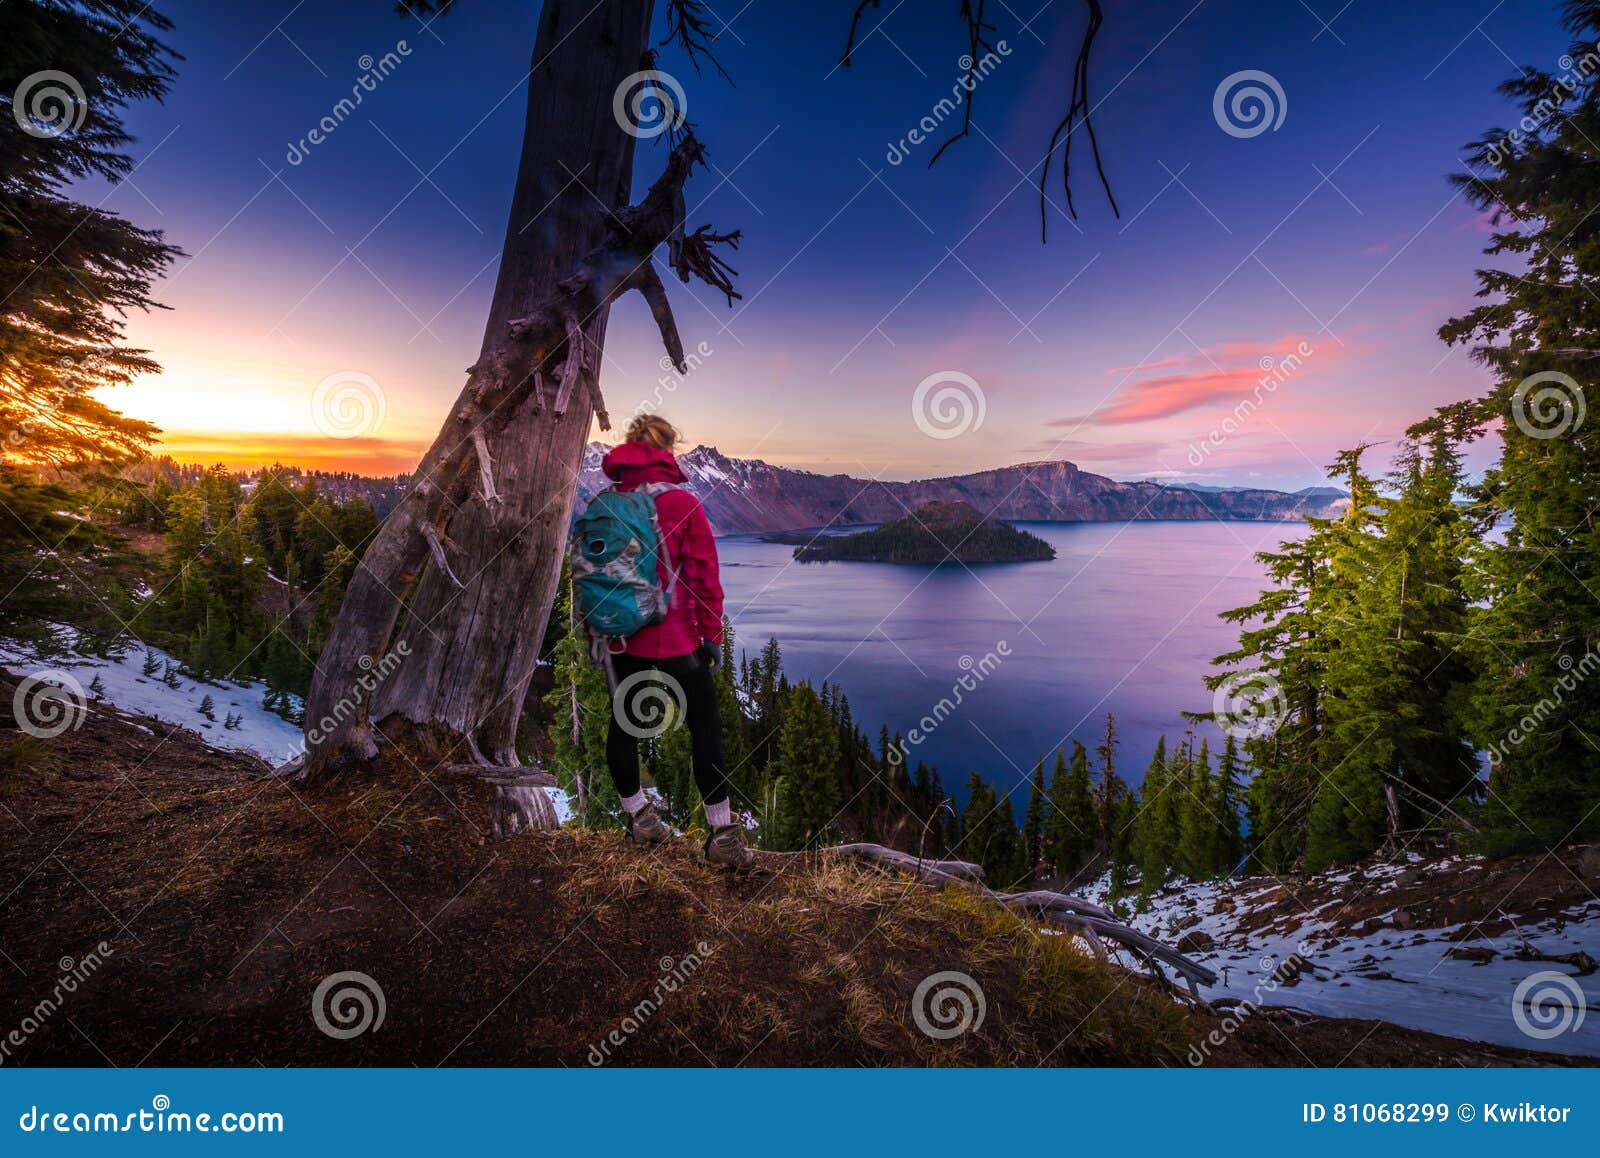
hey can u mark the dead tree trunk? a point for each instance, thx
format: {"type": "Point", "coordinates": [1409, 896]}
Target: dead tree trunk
{"type": "Point", "coordinates": [459, 581]}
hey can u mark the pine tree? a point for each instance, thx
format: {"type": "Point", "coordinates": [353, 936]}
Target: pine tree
{"type": "Point", "coordinates": [1230, 806]}
{"type": "Point", "coordinates": [989, 836]}
{"type": "Point", "coordinates": [1110, 790]}
{"type": "Point", "coordinates": [744, 775]}
{"type": "Point", "coordinates": [1072, 832]}
{"type": "Point", "coordinates": [1199, 844]}
{"type": "Point", "coordinates": [1124, 817]}
{"type": "Point", "coordinates": [580, 706]}
{"type": "Point", "coordinates": [73, 271]}
{"type": "Point", "coordinates": [1534, 634]}
{"type": "Point", "coordinates": [808, 772]}
{"type": "Point", "coordinates": [1033, 824]}
{"type": "Point", "coordinates": [768, 694]}
{"type": "Point", "coordinates": [1157, 826]}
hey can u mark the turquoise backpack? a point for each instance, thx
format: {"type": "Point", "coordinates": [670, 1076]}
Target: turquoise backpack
{"type": "Point", "coordinates": [615, 547]}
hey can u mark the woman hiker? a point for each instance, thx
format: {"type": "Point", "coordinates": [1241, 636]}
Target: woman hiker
{"type": "Point", "coordinates": [685, 647]}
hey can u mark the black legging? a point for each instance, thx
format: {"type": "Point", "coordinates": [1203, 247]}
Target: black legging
{"type": "Point", "coordinates": [691, 674]}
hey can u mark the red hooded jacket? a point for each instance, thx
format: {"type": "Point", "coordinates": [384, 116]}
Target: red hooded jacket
{"type": "Point", "coordinates": [695, 612]}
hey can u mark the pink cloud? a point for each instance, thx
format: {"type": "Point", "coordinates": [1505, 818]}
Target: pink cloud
{"type": "Point", "coordinates": [1223, 371]}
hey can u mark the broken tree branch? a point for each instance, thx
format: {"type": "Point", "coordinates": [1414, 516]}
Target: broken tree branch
{"type": "Point", "coordinates": [431, 534]}
{"type": "Point", "coordinates": [695, 258]}
{"type": "Point", "coordinates": [649, 284]}
{"type": "Point", "coordinates": [1079, 109]}
{"type": "Point", "coordinates": [572, 369]}
{"type": "Point", "coordinates": [485, 468]}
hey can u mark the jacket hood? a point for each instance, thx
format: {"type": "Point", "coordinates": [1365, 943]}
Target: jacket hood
{"type": "Point", "coordinates": [636, 463]}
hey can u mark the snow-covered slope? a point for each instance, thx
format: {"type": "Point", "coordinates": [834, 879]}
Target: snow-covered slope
{"type": "Point", "coordinates": [258, 731]}
{"type": "Point", "coordinates": [124, 686]}
{"type": "Point", "coordinates": [1499, 976]}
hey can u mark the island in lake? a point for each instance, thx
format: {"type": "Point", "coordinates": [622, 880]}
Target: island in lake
{"type": "Point", "coordinates": [937, 532]}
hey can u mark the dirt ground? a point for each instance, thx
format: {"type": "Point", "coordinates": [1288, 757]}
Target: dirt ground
{"type": "Point", "coordinates": [231, 904]}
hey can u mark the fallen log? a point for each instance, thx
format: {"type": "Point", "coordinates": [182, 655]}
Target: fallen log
{"type": "Point", "coordinates": [1095, 924]}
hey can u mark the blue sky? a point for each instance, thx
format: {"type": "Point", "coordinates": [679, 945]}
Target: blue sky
{"type": "Point", "coordinates": [1120, 344]}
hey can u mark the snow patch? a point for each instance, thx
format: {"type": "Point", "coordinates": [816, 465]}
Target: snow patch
{"type": "Point", "coordinates": [1402, 976]}
{"type": "Point", "coordinates": [260, 732]}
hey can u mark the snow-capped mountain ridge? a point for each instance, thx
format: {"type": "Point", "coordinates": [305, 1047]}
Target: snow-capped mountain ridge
{"type": "Point", "coordinates": [743, 495]}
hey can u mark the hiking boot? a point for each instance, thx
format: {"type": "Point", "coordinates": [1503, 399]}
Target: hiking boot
{"type": "Point", "coordinates": [647, 827]}
{"type": "Point", "coordinates": [726, 845]}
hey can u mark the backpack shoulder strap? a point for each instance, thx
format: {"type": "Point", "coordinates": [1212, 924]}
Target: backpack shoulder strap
{"type": "Point", "coordinates": [655, 490]}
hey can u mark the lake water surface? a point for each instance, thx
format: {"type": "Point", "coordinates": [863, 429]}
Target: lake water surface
{"type": "Point", "coordinates": [1123, 620]}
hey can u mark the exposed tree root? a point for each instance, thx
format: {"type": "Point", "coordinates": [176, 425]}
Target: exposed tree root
{"type": "Point", "coordinates": [1093, 923]}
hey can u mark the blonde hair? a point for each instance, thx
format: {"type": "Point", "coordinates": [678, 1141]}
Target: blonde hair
{"type": "Point", "coordinates": [653, 429]}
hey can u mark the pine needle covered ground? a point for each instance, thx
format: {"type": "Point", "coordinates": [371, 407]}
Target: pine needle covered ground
{"type": "Point", "coordinates": [224, 901]}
